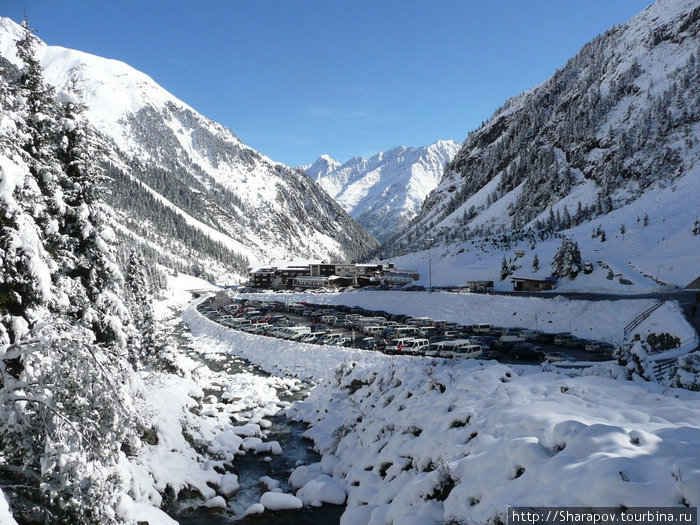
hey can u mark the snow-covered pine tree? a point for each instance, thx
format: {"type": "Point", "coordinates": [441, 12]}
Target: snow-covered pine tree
{"type": "Point", "coordinates": [687, 372]}
{"type": "Point", "coordinates": [140, 298]}
{"type": "Point", "coordinates": [505, 269]}
{"type": "Point", "coordinates": [66, 390]}
{"type": "Point", "coordinates": [38, 97]}
{"type": "Point", "coordinates": [567, 259]}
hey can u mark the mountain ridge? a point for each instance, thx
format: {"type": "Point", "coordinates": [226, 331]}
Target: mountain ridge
{"type": "Point", "coordinates": [384, 192]}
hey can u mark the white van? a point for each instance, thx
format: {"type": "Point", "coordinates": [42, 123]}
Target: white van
{"type": "Point", "coordinates": [482, 328]}
{"type": "Point", "coordinates": [407, 331]}
{"type": "Point", "coordinates": [464, 349]}
{"type": "Point", "coordinates": [397, 345]}
{"type": "Point", "coordinates": [294, 332]}
{"type": "Point", "coordinates": [374, 330]}
{"type": "Point", "coordinates": [435, 349]}
{"type": "Point", "coordinates": [416, 346]}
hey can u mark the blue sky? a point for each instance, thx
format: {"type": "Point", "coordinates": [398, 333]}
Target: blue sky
{"type": "Point", "coordinates": [295, 79]}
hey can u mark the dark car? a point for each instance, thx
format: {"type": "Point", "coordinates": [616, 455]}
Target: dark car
{"type": "Point", "coordinates": [526, 352]}
{"type": "Point", "coordinates": [371, 343]}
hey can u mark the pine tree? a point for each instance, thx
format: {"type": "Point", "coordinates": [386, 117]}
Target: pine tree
{"type": "Point", "coordinates": [567, 259]}
{"type": "Point", "coordinates": [38, 96]}
{"type": "Point", "coordinates": [66, 409]}
{"type": "Point", "coordinates": [140, 296]}
{"type": "Point", "coordinates": [505, 269]}
{"type": "Point", "coordinates": [535, 263]}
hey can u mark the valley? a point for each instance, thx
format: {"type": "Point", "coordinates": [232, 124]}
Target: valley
{"type": "Point", "coordinates": [192, 332]}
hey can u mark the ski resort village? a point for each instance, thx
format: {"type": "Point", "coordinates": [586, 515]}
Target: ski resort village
{"type": "Point", "coordinates": [494, 331]}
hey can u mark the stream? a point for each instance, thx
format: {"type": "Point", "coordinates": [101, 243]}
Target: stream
{"type": "Point", "coordinates": [251, 467]}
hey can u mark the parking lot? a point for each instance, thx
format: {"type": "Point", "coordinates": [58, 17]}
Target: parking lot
{"type": "Point", "coordinates": [398, 334]}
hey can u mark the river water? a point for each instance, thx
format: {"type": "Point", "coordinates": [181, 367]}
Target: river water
{"type": "Point", "coordinates": [251, 467]}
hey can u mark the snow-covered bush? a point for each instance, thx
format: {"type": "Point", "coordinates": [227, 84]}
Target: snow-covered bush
{"type": "Point", "coordinates": [687, 372]}
{"type": "Point", "coordinates": [635, 359]}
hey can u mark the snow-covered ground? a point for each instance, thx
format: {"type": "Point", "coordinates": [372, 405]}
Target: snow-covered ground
{"type": "Point", "coordinates": [414, 440]}
{"type": "Point", "coordinates": [434, 442]}
{"type": "Point", "coordinates": [421, 441]}
{"type": "Point", "coordinates": [199, 420]}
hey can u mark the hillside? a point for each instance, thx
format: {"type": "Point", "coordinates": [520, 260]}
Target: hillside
{"type": "Point", "coordinates": [611, 138]}
{"type": "Point", "coordinates": [180, 180]}
{"type": "Point", "coordinates": [385, 192]}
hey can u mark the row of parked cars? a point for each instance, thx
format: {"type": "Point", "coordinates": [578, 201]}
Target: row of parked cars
{"type": "Point", "coordinates": [393, 333]}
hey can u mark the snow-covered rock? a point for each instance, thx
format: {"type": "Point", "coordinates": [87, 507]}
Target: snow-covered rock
{"type": "Point", "coordinates": [279, 501]}
{"type": "Point", "coordinates": [320, 490]}
{"type": "Point", "coordinates": [428, 442]}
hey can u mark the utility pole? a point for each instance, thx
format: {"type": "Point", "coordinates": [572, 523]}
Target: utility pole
{"type": "Point", "coordinates": [430, 265]}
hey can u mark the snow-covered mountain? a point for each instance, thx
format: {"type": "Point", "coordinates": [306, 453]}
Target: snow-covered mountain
{"type": "Point", "coordinates": [386, 191]}
{"type": "Point", "coordinates": [613, 137]}
{"type": "Point", "coordinates": [217, 188]}
{"type": "Point", "coordinates": [323, 166]}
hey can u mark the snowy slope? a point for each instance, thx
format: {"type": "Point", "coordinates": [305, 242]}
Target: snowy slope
{"type": "Point", "coordinates": [386, 191]}
{"type": "Point", "coordinates": [613, 136]}
{"type": "Point", "coordinates": [265, 208]}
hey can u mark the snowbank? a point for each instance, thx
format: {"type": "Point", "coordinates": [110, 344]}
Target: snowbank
{"type": "Point", "coordinates": [278, 356]}
{"type": "Point", "coordinates": [426, 442]}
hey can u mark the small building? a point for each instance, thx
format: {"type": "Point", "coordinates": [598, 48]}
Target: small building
{"type": "Point", "coordinates": [480, 286]}
{"type": "Point", "coordinates": [524, 284]}
{"type": "Point", "coordinates": [400, 277]}
{"type": "Point", "coordinates": [695, 285]}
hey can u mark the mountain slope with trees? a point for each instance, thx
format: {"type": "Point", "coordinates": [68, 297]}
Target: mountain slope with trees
{"type": "Point", "coordinates": [188, 186]}
{"type": "Point", "coordinates": [593, 148]}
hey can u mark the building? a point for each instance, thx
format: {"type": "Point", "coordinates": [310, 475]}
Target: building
{"type": "Point", "coordinates": [301, 274]}
{"type": "Point", "coordinates": [278, 274]}
{"type": "Point", "coordinates": [524, 284]}
{"type": "Point", "coordinates": [480, 286]}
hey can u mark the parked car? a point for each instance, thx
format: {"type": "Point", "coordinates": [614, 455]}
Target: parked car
{"type": "Point", "coordinates": [341, 341]}
{"type": "Point", "coordinates": [466, 351]}
{"type": "Point", "coordinates": [600, 347]}
{"type": "Point", "coordinates": [527, 352]}
{"type": "Point", "coordinates": [555, 357]}
{"type": "Point", "coordinates": [563, 337]}
{"type": "Point", "coordinates": [434, 349]}
{"type": "Point", "coordinates": [372, 343]}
